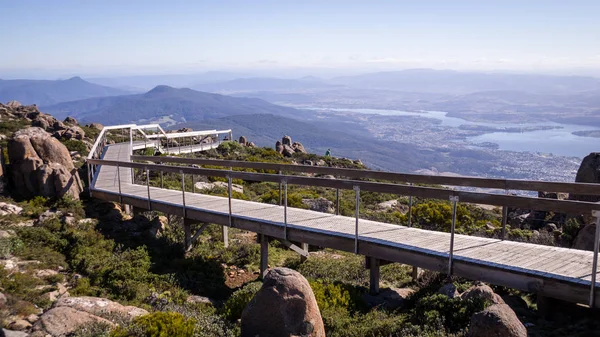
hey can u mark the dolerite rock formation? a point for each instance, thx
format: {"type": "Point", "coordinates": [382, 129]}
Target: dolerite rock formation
{"type": "Point", "coordinates": [284, 306]}
{"type": "Point", "coordinates": [288, 148]}
{"type": "Point", "coordinates": [589, 172]}
{"type": "Point", "coordinates": [41, 165]}
{"type": "Point", "coordinates": [498, 320]}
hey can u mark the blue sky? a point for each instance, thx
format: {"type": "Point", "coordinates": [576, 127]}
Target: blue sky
{"type": "Point", "coordinates": [136, 36]}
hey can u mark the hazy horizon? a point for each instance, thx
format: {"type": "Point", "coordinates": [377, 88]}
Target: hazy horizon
{"type": "Point", "coordinates": [60, 39]}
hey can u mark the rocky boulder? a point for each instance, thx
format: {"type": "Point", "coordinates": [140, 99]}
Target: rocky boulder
{"type": "Point", "coordinates": [389, 298]}
{"type": "Point", "coordinates": [288, 151]}
{"type": "Point", "coordinates": [588, 172]}
{"type": "Point", "coordinates": [484, 292]}
{"type": "Point", "coordinates": [279, 147]}
{"type": "Point", "coordinates": [585, 237]}
{"type": "Point", "coordinates": [73, 132]}
{"type": "Point", "coordinates": [100, 307]}
{"type": "Point", "coordinates": [13, 104]}
{"type": "Point", "coordinates": [284, 306]}
{"type": "Point", "coordinates": [449, 289]}
{"type": "Point", "coordinates": [63, 321]}
{"type": "Point", "coordinates": [286, 140]}
{"type": "Point", "coordinates": [41, 165]}
{"type": "Point", "coordinates": [497, 320]}
{"type": "Point", "coordinates": [6, 208]}
{"type": "Point", "coordinates": [243, 140]}
{"type": "Point", "coordinates": [96, 126]}
{"type": "Point", "coordinates": [11, 333]}
{"type": "Point", "coordinates": [319, 205]}
{"type": "Point", "coordinates": [298, 147]}
{"type": "Point", "coordinates": [70, 120]}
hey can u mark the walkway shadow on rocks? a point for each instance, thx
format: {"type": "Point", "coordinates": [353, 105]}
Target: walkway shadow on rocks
{"type": "Point", "coordinates": [198, 275]}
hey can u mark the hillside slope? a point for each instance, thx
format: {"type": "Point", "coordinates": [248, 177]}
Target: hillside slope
{"type": "Point", "coordinates": [44, 92]}
{"type": "Point", "coordinates": [180, 104]}
{"type": "Point", "coordinates": [266, 129]}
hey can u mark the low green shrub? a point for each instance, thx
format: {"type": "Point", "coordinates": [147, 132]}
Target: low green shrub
{"type": "Point", "coordinates": [158, 324]}
{"type": "Point", "coordinates": [239, 300]}
{"type": "Point", "coordinates": [454, 313]}
{"type": "Point", "coordinates": [75, 145]}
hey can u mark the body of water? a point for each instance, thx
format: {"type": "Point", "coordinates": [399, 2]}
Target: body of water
{"type": "Point", "coordinates": [559, 141]}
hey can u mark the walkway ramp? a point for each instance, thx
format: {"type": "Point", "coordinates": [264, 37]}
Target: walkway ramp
{"type": "Point", "coordinates": [562, 273]}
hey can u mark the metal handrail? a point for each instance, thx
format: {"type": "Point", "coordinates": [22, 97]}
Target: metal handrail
{"type": "Point", "coordinates": [491, 183]}
{"type": "Point", "coordinates": [566, 206]}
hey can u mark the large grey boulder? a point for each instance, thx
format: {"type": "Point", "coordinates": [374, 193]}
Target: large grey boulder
{"type": "Point", "coordinates": [41, 165]}
{"type": "Point", "coordinates": [286, 140]}
{"type": "Point", "coordinates": [585, 237]}
{"type": "Point", "coordinates": [498, 320]}
{"type": "Point", "coordinates": [299, 148]}
{"type": "Point", "coordinates": [484, 292]}
{"type": "Point", "coordinates": [319, 205]}
{"type": "Point", "coordinates": [284, 306]}
{"type": "Point", "coordinates": [100, 307]}
{"type": "Point", "coordinates": [588, 172]}
{"type": "Point", "coordinates": [64, 321]}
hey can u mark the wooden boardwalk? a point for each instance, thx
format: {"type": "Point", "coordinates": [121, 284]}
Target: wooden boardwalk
{"type": "Point", "coordinates": [551, 271]}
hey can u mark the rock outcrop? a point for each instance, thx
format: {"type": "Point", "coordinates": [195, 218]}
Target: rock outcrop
{"type": "Point", "coordinates": [388, 298]}
{"type": "Point", "coordinates": [100, 307]}
{"type": "Point", "coordinates": [41, 165]}
{"type": "Point", "coordinates": [449, 289]}
{"type": "Point", "coordinates": [484, 292]}
{"type": "Point", "coordinates": [319, 205]}
{"type": "Point", "coordinates": [585, 237]}
{"type": "Point", "coordinates": [284, 306]}
{"type": "Point", "coordinates": [96, 126]}
{"type": "Point", "coordinates": [288, 148]}
{"type": "Point", "coordinates": [588, 172]}
{"type": "Point", "coordinates": [63, 321]}
{"type": "Point", "coordinates": [498, 320]}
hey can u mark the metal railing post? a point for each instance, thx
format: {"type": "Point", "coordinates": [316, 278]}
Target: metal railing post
{"type": "Point", "coordinates": [131, 152]}
{"type": "Point", "coordinates": [119, 183]}
{"type": "Point", "coordinates": [89, 169]}
{"type": "Point", "coordinates": [337, 201]}
{"type": "Point", "coordinates": [454, 200]}
{"type": "Point", "coordinates": [504, 219]}
{"type": "Point", "coordinates": [229, 196]}
{"type": "Point", "coordinates": [592, 303]}
{"type": "Point", "coordinates": [148, 187]}
{"type": "Point", "coordinates": [183, 191]}
{"type": "Point", "coordinates": [356, 214]}
{"type": "Point", "coordinates": [410, 204]}
{"type": "Point", "coordinates": [285, 202]}
{"type": "Point", "coordinates": [280, 188]}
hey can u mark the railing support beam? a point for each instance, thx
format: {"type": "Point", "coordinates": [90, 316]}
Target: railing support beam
{"type": "Point", "coordinates": [374, 265]}
{"type": "Point", "coordinates": [592, 301]}
{"type": "Point", "coordinates": [264, 255]}
{"type": "Point", "coordinates": [454, 200]}
{"type": "Point", "coordinates": [356, 215]}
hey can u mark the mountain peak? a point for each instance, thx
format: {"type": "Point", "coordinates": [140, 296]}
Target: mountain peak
{"type": "Point", "coordinates": [76, 79]}
{"type": "Point", "coordinates": [161, 89]}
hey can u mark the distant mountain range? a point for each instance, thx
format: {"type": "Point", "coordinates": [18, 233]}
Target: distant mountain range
{"type": "Point", "coordinates": [45, 92]}
{"type": "Point", "coordinates": [456, 82]}
{"type": "Point", "coordinates": [180, 105]}
{"type": "Point", "coordinates": [264, 84]}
